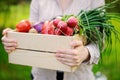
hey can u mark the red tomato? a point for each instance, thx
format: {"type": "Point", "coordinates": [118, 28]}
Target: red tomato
{"type": "Point", "coordinates": [23, 26]}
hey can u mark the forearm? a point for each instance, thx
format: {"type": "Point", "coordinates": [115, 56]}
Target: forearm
{"type": "Point", "coordinates": [94, 53]}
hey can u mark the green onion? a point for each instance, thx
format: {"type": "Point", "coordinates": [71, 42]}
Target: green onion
{"type": "Point", "coordinates": [96, 24]}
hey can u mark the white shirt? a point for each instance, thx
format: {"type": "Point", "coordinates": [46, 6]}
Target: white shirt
{"type": "Point", "coordinates": [42, 10]}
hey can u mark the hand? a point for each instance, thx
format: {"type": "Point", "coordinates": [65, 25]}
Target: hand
{"type": "Point", "coordinates": [74, 56]}
{"type": "Point", "coordinates": [9, 44]}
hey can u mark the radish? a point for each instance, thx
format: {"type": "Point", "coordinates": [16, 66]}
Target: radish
{"type": "Point", "coordinates": [56, 21]}
{"type": "Point", "coordinates": [69, 31]}
{"type": "Point", "coordinates": [72, 21]}
{"type": "Point", "coordinates": [48, 28]}
{"type": "Point", "coordinates": [58, 32]}
{"type": "Point", "coordinates": [62, 26]}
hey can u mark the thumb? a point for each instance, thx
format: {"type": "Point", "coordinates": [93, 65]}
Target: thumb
{"type": "Point", "coordinates": [81, 38]}
{"type": "Point", "coordinates": [76, 43]}
{"type": "Point", "coordinates": [5, 31]}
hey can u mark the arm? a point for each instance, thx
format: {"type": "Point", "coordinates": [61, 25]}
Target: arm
{"type": "Point", "coordinates": [93, 52]}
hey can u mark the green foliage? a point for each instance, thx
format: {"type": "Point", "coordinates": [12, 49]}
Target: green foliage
{"type": "Point", "coordinates": [110, 62]}
{"type": "Point", "coordinates": [15, 14]}
{"type": "Point", "coordinates": [116, 7]}
{"type": "Point", "coordinates": [5, 10]}
{"type": "Point", "coordinates": [96, 24]}
{"type": "Point", "coordinates": [9, 18]}
{"type": "Point", "coordinates": [10, 71]}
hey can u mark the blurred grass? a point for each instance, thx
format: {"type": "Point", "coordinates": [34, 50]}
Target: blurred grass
{"type": "Point", "coordinates": [11, 71]}
{"type": "Point", "coordinates": [16, 13]}
{"type": "Point", "coordinates": [110, 66]}
{"type": "Point", "coordinates": [111, 62]}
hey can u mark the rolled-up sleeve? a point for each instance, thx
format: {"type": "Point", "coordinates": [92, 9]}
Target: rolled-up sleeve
{"type": "Point", "coordinates": [94, 53]}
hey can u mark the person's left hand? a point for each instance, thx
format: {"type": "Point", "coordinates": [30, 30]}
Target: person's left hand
{"type": "Point", "coordinates": [74, 56]}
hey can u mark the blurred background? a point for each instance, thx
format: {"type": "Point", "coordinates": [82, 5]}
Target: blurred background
{"type": "Point", "coordinates": [12, 11]}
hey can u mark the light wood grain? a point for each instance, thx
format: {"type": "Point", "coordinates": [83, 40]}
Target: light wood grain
{"type": "Point", "coordinates": [38, 59]}
{"type": "Point", "coordinates": [32, 43]}
{"type": "Point", "coordinates": [42, 42]}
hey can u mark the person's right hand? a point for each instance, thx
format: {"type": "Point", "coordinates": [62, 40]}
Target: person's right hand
{"type": "Point", "coordinates": [9, 44]}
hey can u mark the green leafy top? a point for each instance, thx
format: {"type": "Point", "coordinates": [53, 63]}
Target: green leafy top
{"type": "Point", "coordinates": [96, 25]}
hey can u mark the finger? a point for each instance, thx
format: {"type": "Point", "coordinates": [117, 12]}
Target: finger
{"type": "Point", "coordinates": [5, 31]}
{"type": "Point", "coordinates": [9, 48]}
{"type": "Point", "coordinates": [67, 56]}
{"type": "Point", "coordinates": [67, 51]}
{"type": "Point", "coordinates": [65, 60]}
{"type": "Point", "coordinates": [8, 40]}
{"type": "Point", "coordinates": [76, 43]}
{"type": "Point", "coordinates": [69, 59]}
{"type": "Point", "coordinates": [69, 64]}
{"type": "Point", "coordinates": [10, 44]}
{"type": "Point", "coordinates": [72, 56]}
{"type": "Point", "coordinates": [8, 51]}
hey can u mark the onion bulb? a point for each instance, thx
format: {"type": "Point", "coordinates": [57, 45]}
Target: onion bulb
{"type": "Point", "coordinates": [38, 26]}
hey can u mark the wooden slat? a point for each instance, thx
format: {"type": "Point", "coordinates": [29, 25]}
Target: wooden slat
{"type": "Point", "coordinates": [42, 42]}
{"type": "Point", "coordinates": [38, 59]}
{"type": "Point", "coordinates": [32, 43]}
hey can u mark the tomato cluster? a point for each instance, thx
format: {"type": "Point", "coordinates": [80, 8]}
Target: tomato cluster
{"type": "Point", "coordinates": [54, 27]}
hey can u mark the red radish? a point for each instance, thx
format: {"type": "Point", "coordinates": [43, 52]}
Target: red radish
{"type": "Point", "coordinates": [23, 26]}
{"type": "Point", "coordinates": [58, 32]}
{"type": "Point", "coordinates": [56, 21]}
{"type": "Point", "coordinates": [51, 28]}
{"type": "Point", "coordinates": [69, 32]}
{"type": "Point", "coordinates": [44, 27]}
{"type": "Point", "coordinates": [72, 21]}
{"type": "Point", "coordinates": [62, 26]}
{"type": "Point", "coordinates": [48, 28]}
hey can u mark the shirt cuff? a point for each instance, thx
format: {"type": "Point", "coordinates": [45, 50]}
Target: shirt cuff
{"type": "Point", "coordinates": [94, 53]}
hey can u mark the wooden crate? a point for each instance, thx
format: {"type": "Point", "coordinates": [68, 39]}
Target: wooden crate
{"type": "Point", "coordinates": [38, 50]}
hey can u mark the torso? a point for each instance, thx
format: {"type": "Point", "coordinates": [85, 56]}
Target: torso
{"type": "Point", "coordinates": [55, 8]}
{"type": "Point", "coordinates": [64, 4]}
